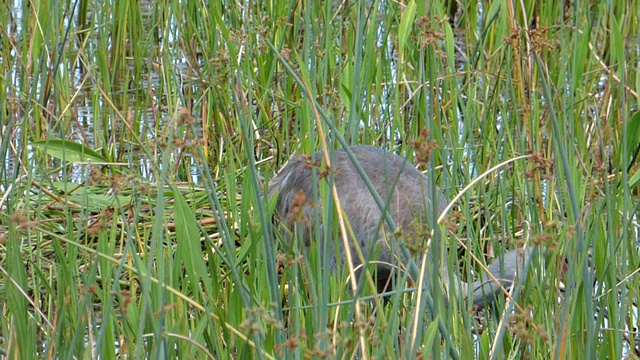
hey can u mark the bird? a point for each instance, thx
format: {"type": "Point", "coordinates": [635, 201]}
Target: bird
{"type": "Point", "coordinates": [407, 194]}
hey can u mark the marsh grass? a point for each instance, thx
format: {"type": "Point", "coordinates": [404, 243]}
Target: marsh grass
{"type": "Point", "coordinates": [138, 139]}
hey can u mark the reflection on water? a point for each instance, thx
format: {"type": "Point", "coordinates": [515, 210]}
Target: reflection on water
{"type": "Point", "coordinates": [113, 121]}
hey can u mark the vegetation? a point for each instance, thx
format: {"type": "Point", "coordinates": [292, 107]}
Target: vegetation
{"type": "Point", "coordinates": [138, 138]}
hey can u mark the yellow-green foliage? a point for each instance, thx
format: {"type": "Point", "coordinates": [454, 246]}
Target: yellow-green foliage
{"type": "Point", "coordinates": [138, 137]}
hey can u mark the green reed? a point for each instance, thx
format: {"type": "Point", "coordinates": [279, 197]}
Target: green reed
{"type": "Point", "coordinates": [138, 139]}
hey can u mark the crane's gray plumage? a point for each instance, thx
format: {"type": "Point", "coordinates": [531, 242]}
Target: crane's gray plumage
{"type": "Point", "coordinates": [407, 192]}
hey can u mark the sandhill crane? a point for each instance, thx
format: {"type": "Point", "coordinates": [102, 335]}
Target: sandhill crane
{"type": "Point", "coordinates": [408, 195]}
